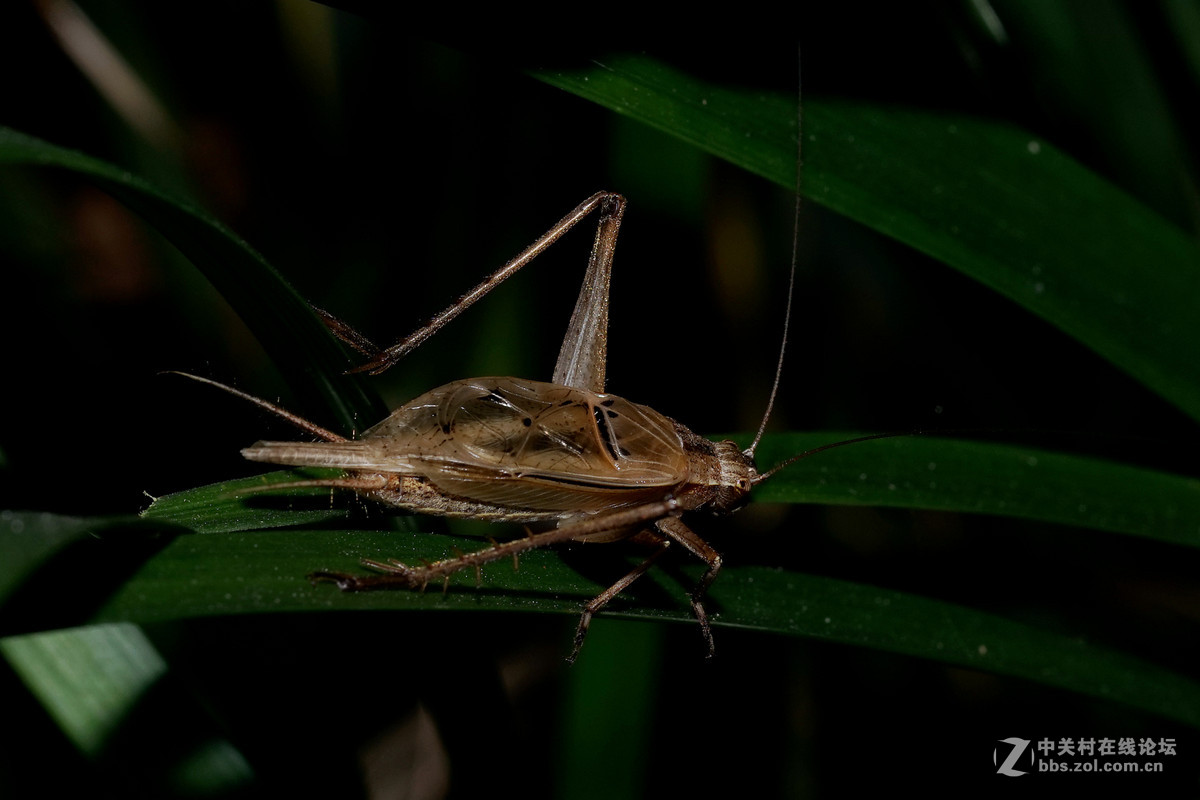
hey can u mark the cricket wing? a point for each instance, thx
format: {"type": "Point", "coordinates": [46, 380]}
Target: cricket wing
{"type": "Point", "coordinates": [515, 444]}
{"type": "Point", "coordinates": [528, 444]}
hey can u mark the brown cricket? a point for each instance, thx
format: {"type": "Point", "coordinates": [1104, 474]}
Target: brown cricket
{"type": "Point", "coordinates": [564, 458]}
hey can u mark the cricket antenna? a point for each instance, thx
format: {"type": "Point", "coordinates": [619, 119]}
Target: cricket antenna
{"type": "Point", "coordinates": [787, 312]}
{"type": "Point", "coordinates": [763, 476]}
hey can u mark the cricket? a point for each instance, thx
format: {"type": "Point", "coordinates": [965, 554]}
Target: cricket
{"type": "Point", "coordinates": [564, 459]}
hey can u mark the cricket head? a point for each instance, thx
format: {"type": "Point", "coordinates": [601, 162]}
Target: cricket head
{"type": "Point", "coordinates": [736, 477]}
{"type": "Point", "coordinates": [720, 475]}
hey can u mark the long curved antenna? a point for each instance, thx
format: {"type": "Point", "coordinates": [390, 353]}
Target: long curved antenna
{"type": "Point", "coordinates": [762, 476]}
{"type": "Point", "coordinates": [787, 313]}
{"type": "Point", "coordinates": [279, 411]}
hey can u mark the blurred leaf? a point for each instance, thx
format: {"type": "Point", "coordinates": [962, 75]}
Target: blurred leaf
{"type": "Point", "coordinates": [28, 538]}
{"type": "Point", "coordinates": [624, 663]}
{"type": "Point", "coordinates": [1184, 20]}
{"type": "Point", "coordinates": [1090, 75]}
{"type": "Point", "coordinates": [990, 200]}
{"type": "Point", "coordinates": [87, 678]}
{"type": "Point", "coordinates": [297, 341]}
{"type": "Point", "coordinates": [91, 680]}
{"type": "Point", "coordinates": [31, 540]}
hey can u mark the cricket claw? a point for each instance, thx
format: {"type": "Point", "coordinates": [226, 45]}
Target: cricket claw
{"type": "Point", "coordinates": [584, 621]}
{"type": "Point", "coordinates": [344, 580]}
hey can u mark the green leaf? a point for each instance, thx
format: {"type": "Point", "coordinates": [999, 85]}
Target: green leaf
{"type": "Point", "coordinates": [992, 201]}
{"type": "Point", "coordinates": [984, 478]}
{"type": "Point", "coordinates": [298, 342]}
{"type": "Point", "coordinates": [263, 572]}
{"type": "Point", "coordinates": [854, 614]}
{"type": "Point", "coordinates": [241, 505]}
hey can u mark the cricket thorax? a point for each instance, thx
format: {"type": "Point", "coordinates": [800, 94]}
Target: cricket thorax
{"type": "Point", "coordinates": [720, 474]}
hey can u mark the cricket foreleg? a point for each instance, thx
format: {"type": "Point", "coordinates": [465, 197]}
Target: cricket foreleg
{"type": "Point", "coordinates": [608, 594]}
{"type": "Point", "coordinates": [677, 531]}
{"type": "Point", "coordinates": [397, 575]}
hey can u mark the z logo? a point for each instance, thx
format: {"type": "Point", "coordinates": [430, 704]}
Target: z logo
{"type": "Point", "coordinates": [1018, 747]}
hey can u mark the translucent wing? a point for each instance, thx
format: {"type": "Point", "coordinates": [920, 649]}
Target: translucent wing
{"type": "Point", "coordinates": [514, 443]}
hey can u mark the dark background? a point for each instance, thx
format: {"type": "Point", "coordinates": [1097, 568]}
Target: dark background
{"type": "Point", "coordinates": [383, 175]}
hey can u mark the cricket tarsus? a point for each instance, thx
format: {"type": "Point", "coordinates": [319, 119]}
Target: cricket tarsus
{"type": "Point", "coordinates": [347, 334]}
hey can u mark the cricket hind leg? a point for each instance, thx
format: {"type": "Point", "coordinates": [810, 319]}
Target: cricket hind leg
{"type": "Point", "coordinates": [579, 367]}
{"type": "Point", "coordinates": [393, 574]}
{"type": "Point", "coordinates": [398, 575]}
